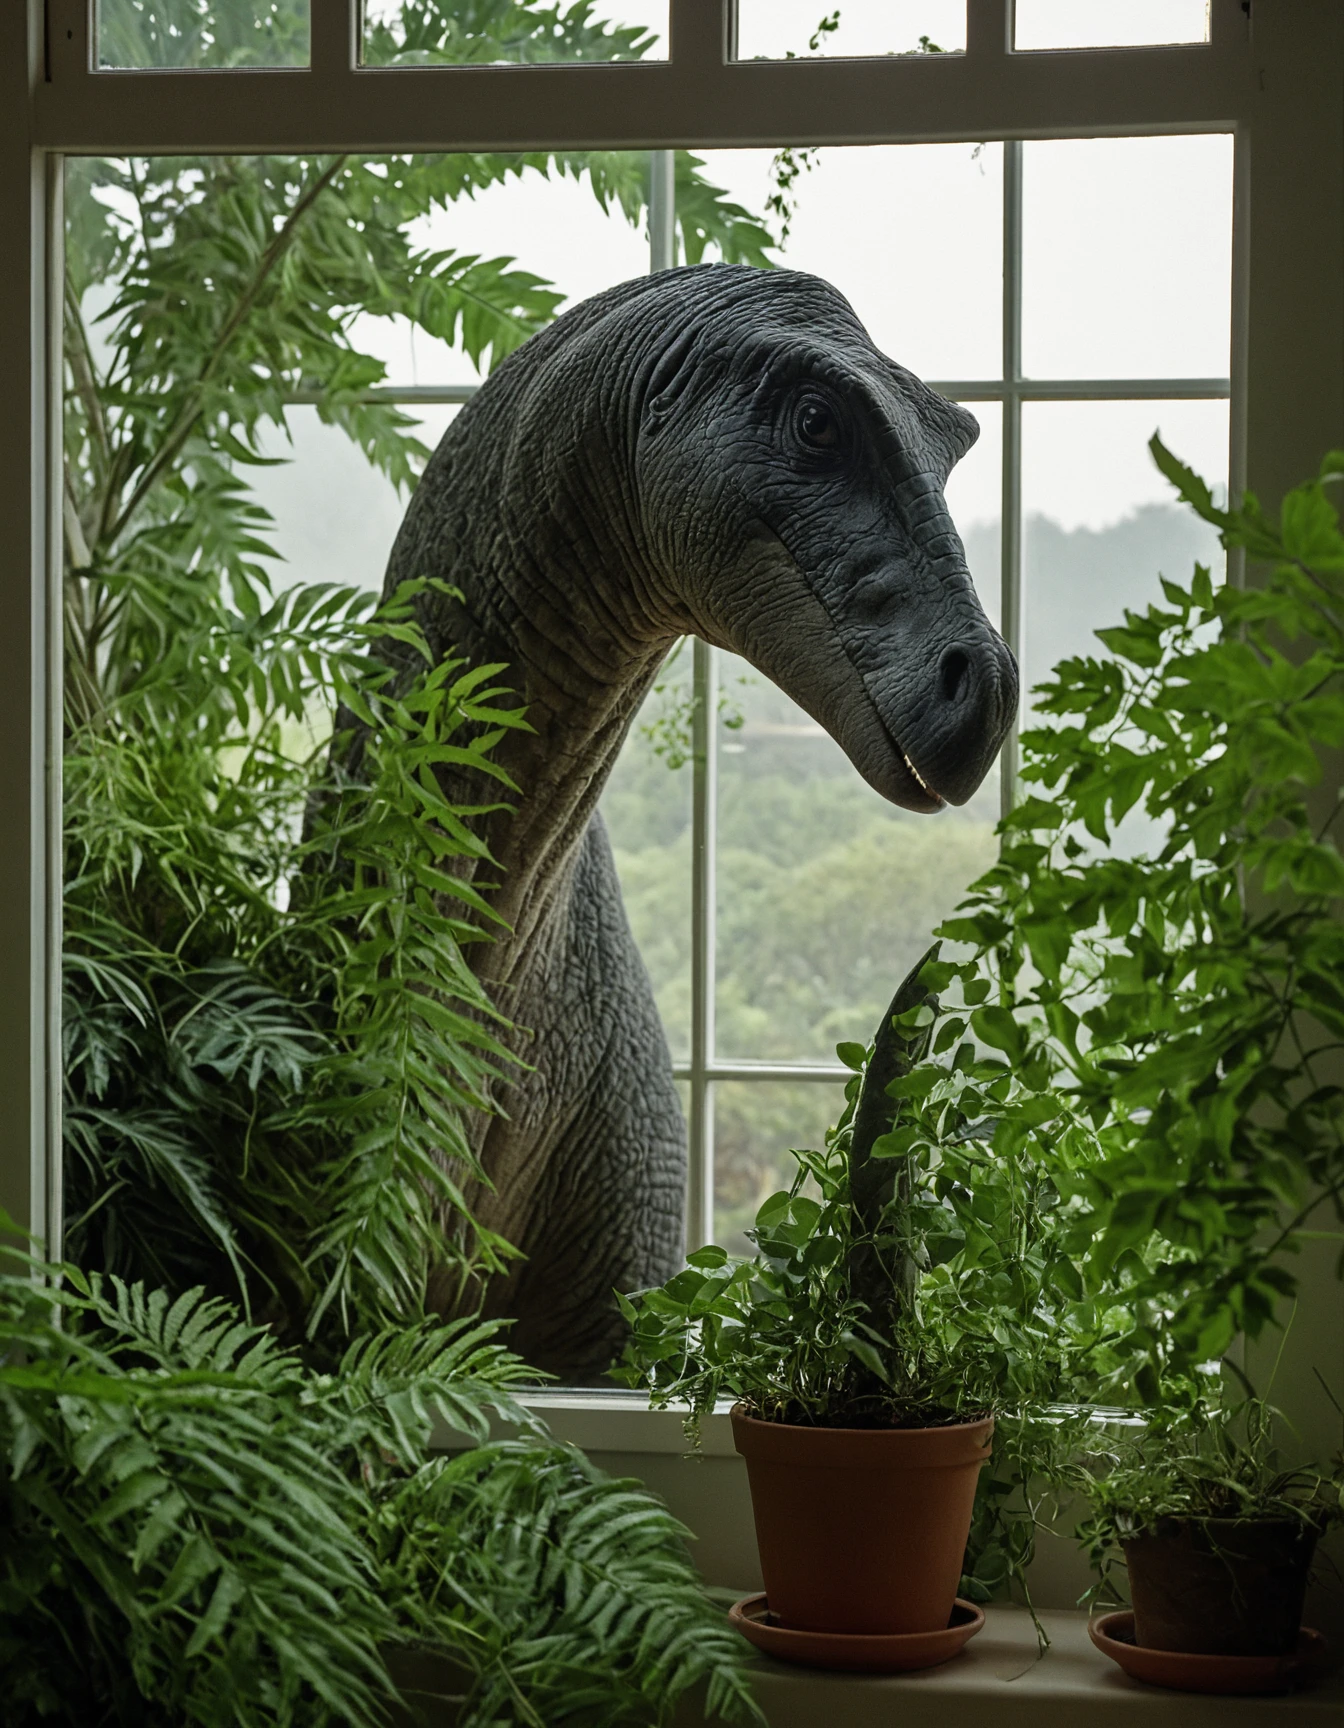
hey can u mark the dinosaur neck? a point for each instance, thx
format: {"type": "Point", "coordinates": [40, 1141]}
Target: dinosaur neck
{"type": "Point", "coordinates": [527, 510]}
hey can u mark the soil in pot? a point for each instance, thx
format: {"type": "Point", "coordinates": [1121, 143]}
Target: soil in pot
{"type": "Point", "coordinates": [862, 1530]}
{"type": "Point", "coordinates": [1219, 1586]}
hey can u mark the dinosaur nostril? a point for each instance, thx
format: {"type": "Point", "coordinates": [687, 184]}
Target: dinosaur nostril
{"type": "Point", "coordinates": [954, 674]}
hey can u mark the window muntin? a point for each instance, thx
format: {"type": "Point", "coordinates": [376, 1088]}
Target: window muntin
{"type": "Point", "coordinates": [789, 29]}
{"type": "Point", "coordinates": [202, 35]}
{"type": "Point", "coordinates": [1108, 23]}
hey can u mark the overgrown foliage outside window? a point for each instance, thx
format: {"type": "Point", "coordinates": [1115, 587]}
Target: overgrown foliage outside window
{"type": "Point", "coordinates": [270, 1029]}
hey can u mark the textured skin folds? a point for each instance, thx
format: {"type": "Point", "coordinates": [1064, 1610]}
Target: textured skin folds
{"type": "Point", "coordinates": [719, 451]}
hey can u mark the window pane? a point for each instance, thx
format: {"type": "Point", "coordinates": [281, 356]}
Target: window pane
{"type": "Point", "coordinates": [827, 894]}
{"type": "Point", "coordinates": [550, 226]}
{"type": "Point", "coordinates": [911, 234]}
{"type": "Point", "coordinates": [647, 806]}
{"type": "Point", "coordinates": [783, 29]}
{"type": "Point", "coordinates": [511, 32]}
{"type": "Point", "coordinates": [974, 493]}
{"type": "Point", "coordinates": [756, 1123]}
{"type": "Point", "coordinates": [202, 34]}
{"type": "Point", "coordinates": [1101, 522]}
{"type": "Point", "coordinates": [1108, 23]}
{"type": "Point", "coordinates": [1127, 257]}
{"type": "Point", "coordinates": [335, 514]}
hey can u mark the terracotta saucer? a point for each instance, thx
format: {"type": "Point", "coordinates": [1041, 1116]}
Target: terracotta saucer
{"type": "Point", "coordinates": [1113, 1635]}
{"type": "Point", "coordinates": [881, 1653]}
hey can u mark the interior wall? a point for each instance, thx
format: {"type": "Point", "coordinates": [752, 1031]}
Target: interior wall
{"type": "Point", "coordinates": [1294, 414]}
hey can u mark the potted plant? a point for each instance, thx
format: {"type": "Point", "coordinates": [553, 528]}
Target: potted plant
{"type": "Point", "coordinates": [894, 1307]}
{"type": "Point", "coordinates": [1188, 971]}
{"type": "Point", "coordinates": [1217, 1538]}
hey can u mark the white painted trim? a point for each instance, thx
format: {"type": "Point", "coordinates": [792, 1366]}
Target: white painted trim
{"type": "Point", "coordinates": [697, 97]}
{"type": "Point", "coordinates": [615, 1422]}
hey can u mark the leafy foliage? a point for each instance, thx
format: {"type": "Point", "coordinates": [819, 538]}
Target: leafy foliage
{"type": "Point", "coordinates": [276, 1082]}
{"type": "Point", "coordinates": [1214, 1460]}
{"type": "Point", "coordinates": [198, 1528]}
{"type": "Point", "coordinates": [274, 1040]}
{"type": "Point", "coordinates": [568, 1592]}
{"type": "Point", "coordinates": [1182, 991]}
{"type": "Point", "coordinates": [1110, 1130]}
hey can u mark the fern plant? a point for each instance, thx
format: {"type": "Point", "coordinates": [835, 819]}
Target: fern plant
{"type": "Point", "coordinates": [272, 1032]}
{"type": "Point", "coordinates": [198, 1528]}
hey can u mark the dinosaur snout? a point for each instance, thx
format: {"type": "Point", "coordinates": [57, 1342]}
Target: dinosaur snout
{"type": "Point", "coordinates": [967, 709]}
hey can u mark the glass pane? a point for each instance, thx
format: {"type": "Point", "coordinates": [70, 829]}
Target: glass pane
{"type": "Point", "coordinates": [202, 34]}
{"type": "Point", "coordinates": [1101, 522]}
{"type": "Point", "coordinates": [1127, 257]}
{"type": "Point", "coordinates": [647, 806]}
{"type": "Point", "coordinates": [827, 894]}
{"type": "Point", "coordinates": [911, 234]}
{"type": "Point", "coordinates": [756, 1124]}
{"type": "Point", "coordinates": [1108, 23]}
{"type": "Point", "coordinates": [786, 29]}
{"type": "Point", "coordinates": [549, 226]}
{"type": "Point", "coordinates": [511, 32]}
{"type": "Point", "coordinates": [335, 514]}
{"type": "Point", "coordinates": [974, 493]}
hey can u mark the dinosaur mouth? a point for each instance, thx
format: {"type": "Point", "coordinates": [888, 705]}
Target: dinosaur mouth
{"type": "Point", "coordinates": [919, 779]}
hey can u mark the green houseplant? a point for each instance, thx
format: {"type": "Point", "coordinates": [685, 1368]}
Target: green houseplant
{"type": "Point", "coordinates": [909, 1290]}
{"type": "Point", "coordinates": [1182, 964]}
{"type": "Point", "coordinates": [1087, 1204]}
{"type": "Point", "coordinates": [198, 1528]}
{"type": "Point", "coordinates": [1216, 1533]}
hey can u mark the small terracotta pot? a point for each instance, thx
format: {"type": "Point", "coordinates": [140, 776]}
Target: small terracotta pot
{"type": "Point", "coordinates": [1219, 1586]}
{"type": "Point", "coordinates": [862, 1530]}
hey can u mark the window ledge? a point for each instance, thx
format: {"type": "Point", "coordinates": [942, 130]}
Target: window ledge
{"type": "Point", "coordinates": [999, 1680]}
{"type": "Point", "coordinates": [614, 1422]}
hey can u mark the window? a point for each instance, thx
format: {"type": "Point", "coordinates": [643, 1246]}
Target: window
{"type": "Point", "coordinates": [1284, 393]}
{"type": "Point", "coordinates": [1076, 294]}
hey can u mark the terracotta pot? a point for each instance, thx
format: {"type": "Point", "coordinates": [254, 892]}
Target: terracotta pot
{"type": "Point", "coordinates": [1219, 1586]}
{"type": "Point", "coordinates": [862, 1530]}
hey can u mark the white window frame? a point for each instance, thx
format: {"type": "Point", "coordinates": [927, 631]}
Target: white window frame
{"type": "Point", "coordinates": [704, 1066]}
{"type": "Point", "coordinates": [1275, 81]}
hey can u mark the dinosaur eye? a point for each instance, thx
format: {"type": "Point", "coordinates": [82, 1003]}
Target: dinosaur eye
{"type": "Point", "coordinates": [817, 425]}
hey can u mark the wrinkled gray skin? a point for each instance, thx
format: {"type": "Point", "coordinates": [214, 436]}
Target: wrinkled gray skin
{"type": "Point", "coordinates": [718, 451]}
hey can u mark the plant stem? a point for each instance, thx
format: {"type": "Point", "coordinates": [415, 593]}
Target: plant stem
{"type": "Point", "coordinates": [187, 415]}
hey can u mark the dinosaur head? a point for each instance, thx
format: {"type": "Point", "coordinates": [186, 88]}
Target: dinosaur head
{"type": "Point", "coordinates": [790, 486]}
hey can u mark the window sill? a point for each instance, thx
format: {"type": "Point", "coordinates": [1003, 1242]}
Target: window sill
{"type": "Point", "coordinates": [999, 1680]}
{"type": "Point", "coordinates": [615, 1421]}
